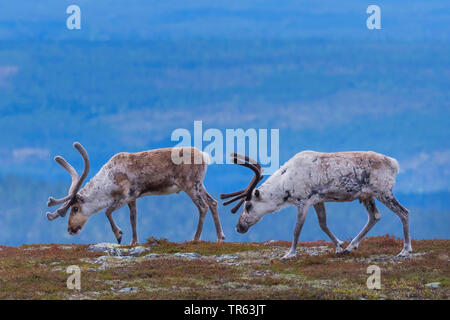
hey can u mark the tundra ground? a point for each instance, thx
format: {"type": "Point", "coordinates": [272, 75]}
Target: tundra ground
{"type": "Point", "coordinates": [159, 269]}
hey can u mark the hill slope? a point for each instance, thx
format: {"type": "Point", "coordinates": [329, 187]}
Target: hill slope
{"type": "Point", "coordinates": [204, 270]}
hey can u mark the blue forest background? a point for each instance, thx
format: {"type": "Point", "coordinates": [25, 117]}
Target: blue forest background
{"type": "Point", "coordinates": [139, 69]}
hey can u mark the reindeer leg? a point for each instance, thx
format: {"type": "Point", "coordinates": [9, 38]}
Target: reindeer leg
{"type": "Point", "coordinates": [301, 216]}
{"type": "Point", "coordinates": [403, 213]}
{"type": "Point", "coordinates": [374, 217]}
{"type": "Point", "coordinates": [213, 207]}
{"type": "Point", "coordinates": [133, 215]}
{"type": "Point", "coordinates": [202, 209]}
{"type": "Point", "coordinates": [322, 216]}
{"type": "Point", "coordinates": [117, 232]}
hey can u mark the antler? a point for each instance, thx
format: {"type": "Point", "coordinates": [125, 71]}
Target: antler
{"type": "Point", "coordinates": [244, 194]}
{"type": "Point", "coordinates": [77, 182]}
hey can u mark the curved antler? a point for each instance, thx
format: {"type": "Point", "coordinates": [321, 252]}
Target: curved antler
{"type": "Point", "coordinates": [244, 194]}
{"type": "Point", "coordinates": [85, 156]}
{"type": "Point", "coordinates": [77, 182]}
{"type": "Point", "coordinates": [73, 173]}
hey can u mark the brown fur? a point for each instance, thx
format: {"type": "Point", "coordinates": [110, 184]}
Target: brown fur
{"type": "Point", "coordinates": [129, 176]}
{"type": "Point", "coordinates": [153, 171]}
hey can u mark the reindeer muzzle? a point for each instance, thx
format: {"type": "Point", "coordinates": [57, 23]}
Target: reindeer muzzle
{"type": "Point", "coordinates": [74, 231]}
{"type": "Point", "coordinates": [241, 229]}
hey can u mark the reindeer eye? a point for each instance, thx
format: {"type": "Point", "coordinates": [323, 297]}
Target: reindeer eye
{"type": "Point", "coordinates": [75, 209]}
{"type": "Point", "coordinates": [257, 193]}
{"type": "Point", "coordinates": [248, 206]}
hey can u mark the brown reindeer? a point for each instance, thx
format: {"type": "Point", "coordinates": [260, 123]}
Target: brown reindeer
{"type": "Point", "coordinates": [129, 176]}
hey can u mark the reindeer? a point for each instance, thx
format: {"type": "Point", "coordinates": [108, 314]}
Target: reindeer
{"type": "Point", "coordinates": [129, 176]}
{"type": "Point", "coordinates": [312, 178]}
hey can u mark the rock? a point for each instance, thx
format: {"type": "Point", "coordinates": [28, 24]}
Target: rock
{"type": "Point", "coordinates": [66, 247]}
{"type": "Point", "coordinates": [102, 247]}
{"type": "Point", "coordinates": [128, 290]}
{"type": "Point", "coordinates": [433, 285]}
{"type": "Point", "coordinates": [117, 252]}
{"type": "Point", "coordinates": [124, 257]}
{"type": "Point", "coordinates": [315, 251]}
{"type": "Point", "coordinates": [36, 248]}
{"type": "Point", "coordinates": [226, 257]}
{"type": "Point", "coordinates": [102, 267]}
{"type": "Point", "coordinates": [236, 264]}
{"type": "Point", "coordinates": [114, 249]}
{"type": "Point", "coordinates": [261, 273]}
{"type": "Point", "coordinates": [188, 255]}
{"type": "Point", "coordinates": [110, 261]}
{"type": "Point", "coordinates": [152, 255]}
{"type": "Point", "coordinates": [101, 259]}
{"type": "Point", "coordinates": [136, 251]}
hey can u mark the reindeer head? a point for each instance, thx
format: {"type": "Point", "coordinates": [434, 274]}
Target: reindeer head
{"type": "Point", "coordinates": [256, 204]}
{"type": "Point", "coordinates": [73, 200]}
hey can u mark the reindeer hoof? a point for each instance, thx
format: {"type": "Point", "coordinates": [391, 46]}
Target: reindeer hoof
{"type": "Point", "coordinates": [343, 252]}
{"type": "Point", "coordinates": [339, 250]}
{"type": "Point", "coordinates": [350, 248]}
{"type": "Point", "coordinates": [119, 238]}
{"type": "Point", "coordinates": [404, 254]}
{"type": "Point", "coordinates": [289, 255]}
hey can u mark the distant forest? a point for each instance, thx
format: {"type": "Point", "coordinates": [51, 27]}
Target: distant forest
{"type": "Point", "coordinates": [138, 70]}
{"type": "Point", "coordinates": [23, 208]}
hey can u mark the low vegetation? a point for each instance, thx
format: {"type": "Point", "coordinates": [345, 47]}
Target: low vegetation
{"type": "Point", "coordinates": [160, 269]}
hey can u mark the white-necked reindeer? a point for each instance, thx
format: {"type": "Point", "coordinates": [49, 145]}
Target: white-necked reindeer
{"type": "Point", "coordinates": [128, 176]}
{"type": "Point", "coordinates": [313, 178]}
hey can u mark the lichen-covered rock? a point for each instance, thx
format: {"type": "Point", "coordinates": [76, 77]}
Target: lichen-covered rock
{"type": "Point", "coordinates": [109, 261]}
{"type": "Point", "coordinates": [188, 255]}
{"type": "Point", "coordinates": [136, 251]}
{"type": "Point", "coordinates": [37, 248]}
{"type": "Point", "coordinates": [114, 249]}
{"type": "Point", "coordinates": [128, 290]}
{"type": "Point", "coordinates": [433, 285]}
{"type": "Point", "coordinates": [226, 257]}
{"type": "Point", "coordinates": [260, 273]}
{"type": "Point", "coordinates": [236, 264]}
{"type": "Point", "coordinates": [103, 247]}
{"type": "Point", "coordinates": [315, 251]}
{"type": "Point", "coordinates": [152, 255]}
